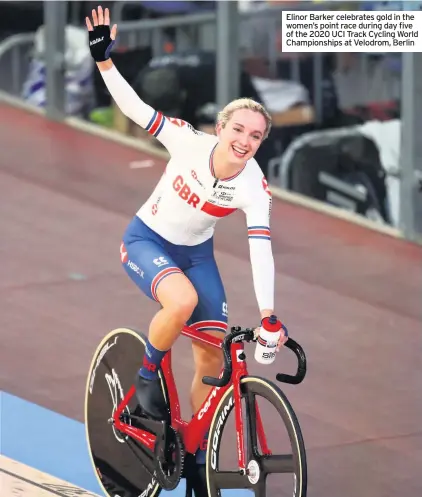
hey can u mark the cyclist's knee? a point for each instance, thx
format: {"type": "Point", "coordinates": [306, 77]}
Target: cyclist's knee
{"type": "Point", "coordinates": [183, 308]}
{"type": "Point", "coordinates": [177, 294]}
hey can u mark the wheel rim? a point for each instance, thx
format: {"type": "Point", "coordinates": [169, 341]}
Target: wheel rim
{"type": "Point", "coordinates": [293, 463]}
{"type": "Point", "coordinates": [118, 461]}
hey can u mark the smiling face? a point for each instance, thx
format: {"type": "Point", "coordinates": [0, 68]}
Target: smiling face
{"type": "Point", "coordinates": [242, 134]}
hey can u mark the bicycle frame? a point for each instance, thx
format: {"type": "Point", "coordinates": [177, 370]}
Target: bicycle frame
{"type": "Point", "coordinates": [194, 431]}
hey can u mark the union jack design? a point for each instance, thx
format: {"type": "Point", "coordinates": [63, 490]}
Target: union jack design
{"type": "Point", "coordinates": [262, 232]}
{"type": "Point", "coordinates": [210, 325]}
{"type": "Point", "coordinates": [159, 278]}
{"type": "Point", "coordinates": [156, 124]}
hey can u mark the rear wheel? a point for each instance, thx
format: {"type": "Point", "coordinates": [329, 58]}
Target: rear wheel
{"type": "Point", "coordinates": [118, 461]}
{"type": "Point", "coordinates": [288, 454]}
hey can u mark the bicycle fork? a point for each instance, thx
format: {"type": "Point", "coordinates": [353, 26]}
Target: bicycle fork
{"type": "Point", "coordinates": [240, 371]}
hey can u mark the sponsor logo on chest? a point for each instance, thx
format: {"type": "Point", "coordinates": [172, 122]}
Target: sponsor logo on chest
{"type": "Point", "coordinates": [223, 195]}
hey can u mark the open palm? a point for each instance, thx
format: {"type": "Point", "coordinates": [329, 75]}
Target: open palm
{"type": "Point", "coordinates": [100, 18]}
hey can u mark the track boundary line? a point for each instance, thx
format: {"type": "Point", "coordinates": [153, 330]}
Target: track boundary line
{"type": "Point", "coordinates": [68, 490]}
{"type": "Point", "coordinates": [31, 482]}
{"type": "Point", "coordinates": [143, 146]}
{"type": "Point", "coordinates": [40, 479]}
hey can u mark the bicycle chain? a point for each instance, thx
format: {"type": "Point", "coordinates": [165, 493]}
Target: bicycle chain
{"type": "Point", "coordinates": [170, 482]}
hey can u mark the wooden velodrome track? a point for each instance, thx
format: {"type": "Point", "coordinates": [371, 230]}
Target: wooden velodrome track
{"type": "Point", "coordinates": [350, 296]}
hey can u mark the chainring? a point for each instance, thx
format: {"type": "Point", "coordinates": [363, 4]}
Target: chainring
{"type": "Point", "coordinates": [169, 474]}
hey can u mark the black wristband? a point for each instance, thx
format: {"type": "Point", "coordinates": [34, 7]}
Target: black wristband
{"type": "Point", "coordinates": [100, 43]}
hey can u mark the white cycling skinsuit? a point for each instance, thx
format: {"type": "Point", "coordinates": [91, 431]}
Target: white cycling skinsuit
{"type": "Point", "coordinates": [188, 200]}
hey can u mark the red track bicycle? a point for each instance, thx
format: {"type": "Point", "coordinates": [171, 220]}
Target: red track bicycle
{"type": "Point", "coordinates": [137, 457]}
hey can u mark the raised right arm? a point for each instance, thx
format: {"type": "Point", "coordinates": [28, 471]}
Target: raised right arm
{"type": "Point", "coordinates": [173, 134]}
{"type": "Point", "coordinates": [169, 134]}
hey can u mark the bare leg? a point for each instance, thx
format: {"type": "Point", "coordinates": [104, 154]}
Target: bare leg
{"type": "Point", "coordinates": [208, 362]}
{"type": "Point", "coordinates": [178, 299]}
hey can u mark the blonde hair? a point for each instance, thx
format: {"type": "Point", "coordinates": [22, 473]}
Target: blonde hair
{"type": "Point", "coordinates": [244, 103]}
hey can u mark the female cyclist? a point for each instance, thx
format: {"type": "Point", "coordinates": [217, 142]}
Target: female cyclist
{"type": "Point", "coordinates": [167, 249]}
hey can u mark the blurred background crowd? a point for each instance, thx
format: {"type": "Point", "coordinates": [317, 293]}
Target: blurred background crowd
{"type": "Point", "coordinates": [336, 117]}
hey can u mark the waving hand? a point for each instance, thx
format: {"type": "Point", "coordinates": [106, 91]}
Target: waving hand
{"type": "Point", "coordinates": [101, 39]}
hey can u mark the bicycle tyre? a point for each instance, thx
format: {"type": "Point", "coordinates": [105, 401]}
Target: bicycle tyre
{"type": "Point", "coordinates": [116, 459]}
{"type": "Point", "coordinates": [232, 479]}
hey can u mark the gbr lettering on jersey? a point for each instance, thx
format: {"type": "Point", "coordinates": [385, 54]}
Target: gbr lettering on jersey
{"type": "Point", "coordinates": [185, 192]}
